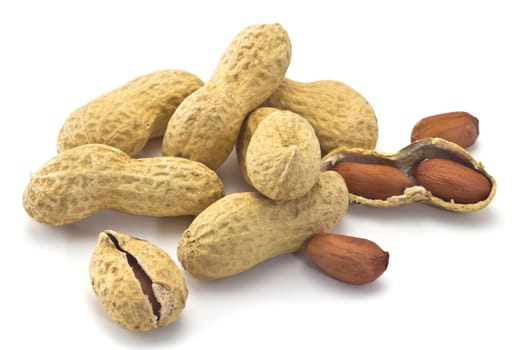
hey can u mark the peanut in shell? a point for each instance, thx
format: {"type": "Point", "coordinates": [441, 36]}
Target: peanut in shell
{"type": "Point", "coordinates": [83, 180]}
{"type": "Point", "coordinates": [340, 116]}
{"type": "Point", "coordinates": [406, 160]}
{"type": "Point", "coordinates": [242, 230]}
{"type": "Point", "coordinates": [206, 125]}
{"type": "Point", "coordinates": [128, 116]}
{"type": "Point", "coordinates": [281, 159]}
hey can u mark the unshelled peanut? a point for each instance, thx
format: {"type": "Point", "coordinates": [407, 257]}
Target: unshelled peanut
{"type": "Point", "coordinates": [282, 157]}
{"type": "Point", "coordinates": [243, 229]}
{"type": "Point", "coordinates": [83, 180]}
{"type": "Point", "coordinates": [128, 116]}
{"type": "Point", "coordinates": [340, 116]}
{"type": "Point", "coordinates": [206, 124]}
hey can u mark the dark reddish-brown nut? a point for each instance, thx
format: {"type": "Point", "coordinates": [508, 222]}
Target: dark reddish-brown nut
{"type": "Point", "coordinates": [452, 181]}
{"type": "Point", "coordinates": [349, 259]}
{"type": "Point", "coordinates": [374, 181]}
{"type": "Point", "coordinates": [458, 127]}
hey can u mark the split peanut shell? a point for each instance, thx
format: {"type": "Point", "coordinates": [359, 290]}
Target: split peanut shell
{"type": "Point", "coordinates": [406, 160]}
{"type": "Point", "coordinates": [137, 283]}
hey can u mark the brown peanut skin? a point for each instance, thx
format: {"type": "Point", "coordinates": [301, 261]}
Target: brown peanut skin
{"type": "Point", "coordinates": [128, 116]}
{"type": "Point", "coordinates": [340, 116]}
{"type": "Point", "coordinates": [83, 180]}
{"type": "Point", "coordinates": [244, 229]}
{"type": "Point", "coordinates": [349, 259]}
{"type": "Point", "coordinates": [374, 181]}
{"type": "Point", "coordinates": [452, 181]}
{"type": "Point", "coordinates": [458, 127]}
{"type": "Point", "coordinates": [206, 125]}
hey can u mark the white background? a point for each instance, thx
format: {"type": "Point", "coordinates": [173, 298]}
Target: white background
{"type": "Point", "coordinates": [454, 280]}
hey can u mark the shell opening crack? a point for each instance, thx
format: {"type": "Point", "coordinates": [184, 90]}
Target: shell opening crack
{"type": "Point", "coordinates": [146, 284]}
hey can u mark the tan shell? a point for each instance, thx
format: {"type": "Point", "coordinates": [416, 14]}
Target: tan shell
{"type": "Point", "coordinates": [206, 125]}
{"type": "Point", "coordinates": [128, 116]}
{"type": "Point", "coordinates": [120, 291]}
{"type": "Point", "coordinates": [283, 156]}
{"type": "Point", "coordinates": [405, 160]}
{"type": "Point", "coordinates": [244, 229]}
{"type": "Point", "coordinates": [81, 181]}
{"type": "Point", "coordinates": [340, 116]}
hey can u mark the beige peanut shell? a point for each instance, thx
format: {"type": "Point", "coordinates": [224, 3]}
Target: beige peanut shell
{"type": "Point", "coordinates": [128, 116]}
{"type": "Point", "coordinates": [83, 180]}
{"type": "Point", "coordinates": [282, 156]}
{"type": "Point", "coordinates": [137, 283]}
{"type": "Point", "coordinates": [206, 125]}
{"type": "Point", "coordinates": [243, 229]}
{"type": "Point", "coordinates": [406, 160]}
{"type": "Point", "coordinates": [340, 116]}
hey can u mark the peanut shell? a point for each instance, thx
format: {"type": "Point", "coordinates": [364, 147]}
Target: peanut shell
{"type": "Point", "coordinates": [405, 160]}
{"type": "Point", "coordinates": [206, 125]}
{"type": "Point", "coordinates": [83, 180]}
{"type": "Point", "coordinates": [137, 283]}
{"type": "Point", "coordinates": [244, 229]}
{"type": "Point", "coordinates": [283, 156]}
{"type": "Point", "coordinates": [128, 116]}
{"type": "Point", "coordinates": [340, 116]}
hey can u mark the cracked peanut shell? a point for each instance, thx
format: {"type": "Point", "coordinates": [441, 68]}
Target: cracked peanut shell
{"type": "Point", "coordinates": [406, 160]}
{"type": "Point", "coordinates": [137, 283]}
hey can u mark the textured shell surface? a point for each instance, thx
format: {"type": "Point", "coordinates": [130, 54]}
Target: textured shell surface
{"type": "Point", "coordinates": [283, 156]}
{"type": "Point", "coordinates": [339, 114]}
{"type": "Point", "coordinates": [250, 124]}
{"type": "Point", "coordinates": [206, 125]}
{"type": "Point", "coordinates": [244, 229]}
{"type": "Point", "coordinates": [406, 160]}
{"type": "Point", "coordinates": [139, 301]}
{"type": "Point", "coordinates": [81, 181]}
{"type": "Point", "coordinates": [128, 116]}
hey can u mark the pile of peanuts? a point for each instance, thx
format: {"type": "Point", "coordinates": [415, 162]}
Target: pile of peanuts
{"type": "Point", "coordinates": [307, 149]}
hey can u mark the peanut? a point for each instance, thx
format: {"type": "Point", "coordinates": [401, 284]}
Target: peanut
{"type": "Point", "coordinates": [349, 259]}
{"type": "Point", "coordinates": [137, 283]}
{"type": "Point", "coordinates": [406, 160]}
{"type": "Point", "coordinates": [128, 116]}
{"type": "Point", "coordinates": [339, 115]}
{"type": "Point", "coordinates": [452, 181]}
{"type": "Point", "coordinates": [458, 127]}
{"type": "Point", "coordinates": [282, 157]}
{"type": "Point", "coordinates": [375, 181]}
{"type": "Point", "coordinates": [206, 125]}
{"type": "Point", "coordinates": [243, 229]}
{"type": "Point", "coordinates": [83, 180]}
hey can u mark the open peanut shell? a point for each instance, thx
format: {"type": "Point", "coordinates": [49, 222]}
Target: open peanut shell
{"type": "Point", "coordinates": [406, 160]}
